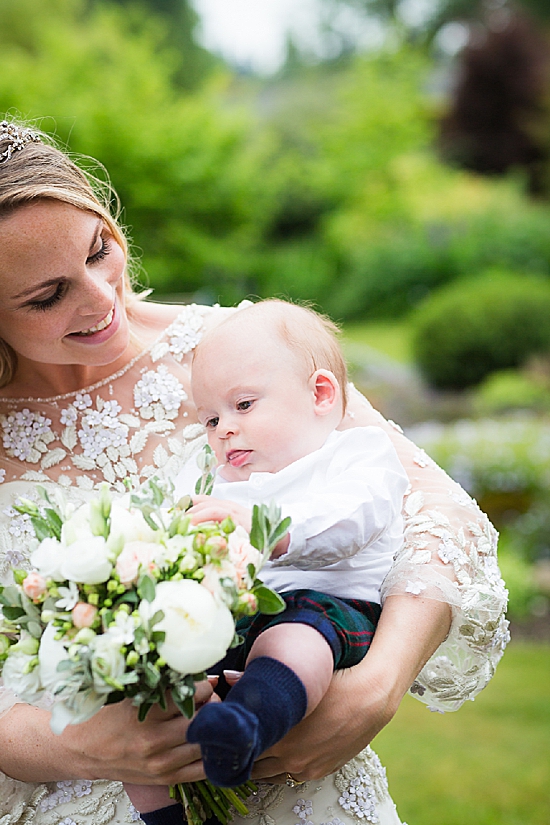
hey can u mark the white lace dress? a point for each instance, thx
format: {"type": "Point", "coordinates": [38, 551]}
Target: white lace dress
{"type": "Point", "coordinates": [141, 422]}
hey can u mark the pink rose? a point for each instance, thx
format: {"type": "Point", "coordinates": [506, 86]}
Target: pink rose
{"type": "Point", "coordinates": [242, 553]}
{"type": "Point", "coordinates": [34, 586]}
{"type": "Point", "coordinates": [135, 557]}
{"type": "Point", "coordinates": [83, 614]}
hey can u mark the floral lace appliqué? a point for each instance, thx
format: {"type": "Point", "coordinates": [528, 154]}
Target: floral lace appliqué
{"type": "Point", "coordinates": [26, 435]}
{"type": "Point", "coordinates": [159, 394]}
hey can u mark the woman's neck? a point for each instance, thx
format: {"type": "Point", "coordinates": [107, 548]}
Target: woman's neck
{"type": "Point", "coordinates": [34, 380]}
{"type": "Point", "coordinates": [37, 380]}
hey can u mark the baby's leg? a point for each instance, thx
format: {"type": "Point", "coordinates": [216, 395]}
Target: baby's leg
{"type": "Point", "coordinates": [304, 650]}
{"type": "Point", "coordinates": [154, 804]}
{"type": "Point", "coordinates": [288, 671]}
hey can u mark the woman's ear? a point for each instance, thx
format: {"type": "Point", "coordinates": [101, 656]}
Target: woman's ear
{"type": "Point", "coordinates": [326, 391]}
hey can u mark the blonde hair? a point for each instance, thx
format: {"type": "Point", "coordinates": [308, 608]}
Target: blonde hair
{"type": "Point", "coordinates": [309, 335]}
{"type": "Point", "coordinates": [42, 171]}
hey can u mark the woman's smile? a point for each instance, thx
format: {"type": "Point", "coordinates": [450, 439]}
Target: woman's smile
{"type": "Point", "coordinates": [102, 331]}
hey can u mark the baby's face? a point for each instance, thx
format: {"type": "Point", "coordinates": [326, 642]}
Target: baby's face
{"type": "Point", "coordinates": [254, 397]}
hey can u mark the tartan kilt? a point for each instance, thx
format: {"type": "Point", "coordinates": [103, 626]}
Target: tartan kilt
{"type": "Point", "coordinates": [348, 625]}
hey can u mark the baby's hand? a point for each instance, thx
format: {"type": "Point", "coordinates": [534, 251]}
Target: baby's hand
{"type": "Point", "coordinates": [206, 508]}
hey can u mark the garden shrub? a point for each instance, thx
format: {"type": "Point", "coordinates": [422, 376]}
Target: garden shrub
{"type": "Point", "coordinates": [508, 390]}
{"type": "Point", "coordinates": [471, 328]}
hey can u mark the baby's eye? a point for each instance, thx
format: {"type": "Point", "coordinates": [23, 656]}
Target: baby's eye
{"type": "Point", "coordinates": [212, 423]}
{"type": "Point", "coordinates": [244, 405]}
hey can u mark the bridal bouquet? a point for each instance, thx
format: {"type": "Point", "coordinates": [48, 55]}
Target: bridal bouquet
{"type": "Point", "coordinates": [128, 599]}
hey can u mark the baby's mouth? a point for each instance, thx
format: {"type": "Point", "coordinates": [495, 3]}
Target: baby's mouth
{"type": "Point", "coordinates": [236, 458]}
{"type": "Point", "coordinates": [107, 321]}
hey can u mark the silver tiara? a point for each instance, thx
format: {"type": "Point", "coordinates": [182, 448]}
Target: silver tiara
{"type": "Point", "coordinates": [16, 139]}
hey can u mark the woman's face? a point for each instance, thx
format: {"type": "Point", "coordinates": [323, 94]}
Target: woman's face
{"type": "Point", "coordinates": [61, 286]}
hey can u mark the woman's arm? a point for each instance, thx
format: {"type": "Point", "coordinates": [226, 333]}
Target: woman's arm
{"type": "Point", "coordinates": [112, 745]}
{"type": "Point", "coordinates": [364, 698]}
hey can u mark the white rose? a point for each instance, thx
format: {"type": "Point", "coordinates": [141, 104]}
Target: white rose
{"type": "Point", "coordinates": [198, 629]}
{"type": "Point", "coordinates": [26, 686]}
{"type": "Point", "coordinates": [129, 525]}
{"type": "Point", "coordinates": [87, 561]}
{"type": "Point", "coordinates": [48, 559]}
{"type": "Point", "coordinates": [107, 662]}
{"type": "Point", "coordinates": [77, 526]}
{"type": "Point", "coordinates": [76, 704]}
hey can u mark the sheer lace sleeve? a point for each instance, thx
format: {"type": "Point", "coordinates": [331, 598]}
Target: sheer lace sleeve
{"type": "Point", "coordinates": [449, 554]}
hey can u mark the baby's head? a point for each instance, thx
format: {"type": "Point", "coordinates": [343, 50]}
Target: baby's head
{"type": "Point", "coordinates": [269, 384]}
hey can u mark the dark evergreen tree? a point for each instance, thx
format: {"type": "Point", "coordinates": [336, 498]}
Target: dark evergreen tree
{"type": "Point", "coordinates": [497, 118]}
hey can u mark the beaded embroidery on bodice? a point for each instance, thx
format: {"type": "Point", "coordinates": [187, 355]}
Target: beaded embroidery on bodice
{"type": "Point", "coordinates": [119, 430]}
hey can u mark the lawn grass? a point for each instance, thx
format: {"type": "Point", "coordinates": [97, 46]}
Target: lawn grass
{"type": "Point", "coordinates": [392, 338]}
{"type": "Point", "coordinates": [487, 764]}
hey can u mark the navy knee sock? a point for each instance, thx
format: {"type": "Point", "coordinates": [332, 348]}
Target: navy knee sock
{"type": "Point", "coordinates": [171, 815]}
{"type": "Point", "coordinates": [260, 709]}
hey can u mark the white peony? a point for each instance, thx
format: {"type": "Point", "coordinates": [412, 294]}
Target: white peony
{"type": "Point", "coordinates": [198, 629]}
{"type": "Point", "coordinates": [48, 559]}
{"type": "Point", "coordinates": [87, 561]}
{"type": "Point", "coordinates": [19, 677]}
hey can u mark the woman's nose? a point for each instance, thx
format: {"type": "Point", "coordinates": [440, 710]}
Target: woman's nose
{"type": "Point", "coordinates": [98, 295]}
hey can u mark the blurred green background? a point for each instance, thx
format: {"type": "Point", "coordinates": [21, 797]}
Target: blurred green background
{"type": "Point", "coordinates": [404, 189]}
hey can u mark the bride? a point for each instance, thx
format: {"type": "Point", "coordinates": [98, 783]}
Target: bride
{"type": "Point", "coordinates": [94, 387]}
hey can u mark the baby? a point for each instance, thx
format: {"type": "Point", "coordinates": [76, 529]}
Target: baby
{"type": "Point", "coordinates": [269, 384]}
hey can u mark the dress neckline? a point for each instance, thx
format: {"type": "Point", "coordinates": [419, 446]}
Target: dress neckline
{"type": "Point", "coordinates": [104, 381]}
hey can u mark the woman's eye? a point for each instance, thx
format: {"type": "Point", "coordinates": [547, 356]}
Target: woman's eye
{"type": "Point", "coordinates": [46, 303]}
{"type": "Point", "coordinates": [244, 405]}
{"type": "Point", "coordinates": [212, 423]}
{"type": "Point", "coordinates": [101, 253]}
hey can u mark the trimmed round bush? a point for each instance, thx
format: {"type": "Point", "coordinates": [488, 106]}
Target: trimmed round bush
{"type": "Point", "coordinates": [469, 329]}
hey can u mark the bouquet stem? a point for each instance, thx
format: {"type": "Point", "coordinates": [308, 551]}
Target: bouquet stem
{"type": "Point", "coordinates": [201, 800]}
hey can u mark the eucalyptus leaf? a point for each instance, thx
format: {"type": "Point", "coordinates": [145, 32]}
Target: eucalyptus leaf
{"type": "Point", "coordinates": [269, 602]}
{"type": "Point", "coordinates": [35, 629]}
{"type": "Point", "coordinates": [146, 588]}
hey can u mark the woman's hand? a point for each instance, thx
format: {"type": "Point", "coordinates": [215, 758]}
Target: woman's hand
{"type": "Point", "coordinates": [112, 745]}
{"type": "Point", "coordinates": [346, 720]}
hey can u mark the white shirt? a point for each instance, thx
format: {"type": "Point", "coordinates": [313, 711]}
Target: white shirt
{"type": "Point", "coordinates": [345, 502]}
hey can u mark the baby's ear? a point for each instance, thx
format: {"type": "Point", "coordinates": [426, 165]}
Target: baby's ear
{"type": "Point", "coordinates": [326, 391]}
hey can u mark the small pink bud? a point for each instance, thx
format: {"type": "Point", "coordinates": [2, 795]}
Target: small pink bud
{"type": "Point", "coordinates": [34, 586]}
{"type": "Point", "coordinates": [249, 602]}
{"type": "Point", "coordinates": [216, 547]}
{"type": "Point", "coordinates": [83, 614]}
